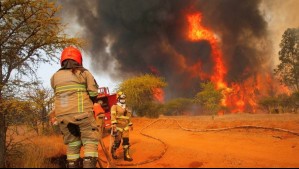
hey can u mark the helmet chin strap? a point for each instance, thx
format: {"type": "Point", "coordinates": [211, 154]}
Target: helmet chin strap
{"type": "Point", "coordinates": [122, 104]}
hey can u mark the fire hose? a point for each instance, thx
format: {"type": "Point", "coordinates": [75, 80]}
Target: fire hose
{"type": "Point", "coordinates": [237, 127]}
{"type": "Point", "coordinates": [112, 138]}
{"type": "Point", "coordinates": [151, 137]}
{"type": "Point", "coordinates": [99, 117]}
{"type": "Point", "coordinates": [113, 165]}
{"type": "Point", "coordinates": [191, 130]}
{"type": "Point", "coordinates": [106, 153]}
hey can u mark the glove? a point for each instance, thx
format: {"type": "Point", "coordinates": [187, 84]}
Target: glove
{"type": "Point", "coordinates": [113, 129]}
{"type": "Point", "coordinates": [97, 109]}
{"type": "Point", "coordinates": [113, 126]}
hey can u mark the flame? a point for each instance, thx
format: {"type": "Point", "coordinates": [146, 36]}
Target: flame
{"type": "Point", "coordinates": [197, 32]}
{"type": "Point", "coordinates": [158, 94]}
{"type": "Point", "coordinates": [154, 70]}
{"type": "Point", "coordinates": [194, 68]}
{"type": "Point", "coordinates": [238, 97]}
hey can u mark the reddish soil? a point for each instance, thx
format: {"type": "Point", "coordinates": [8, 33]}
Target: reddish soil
{"type": "Point", "coordinates": [232, 148]}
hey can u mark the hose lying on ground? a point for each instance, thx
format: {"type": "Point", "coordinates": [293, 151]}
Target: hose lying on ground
{"type": "Point", "coordinates": [237, 127]}
{"type": "Point", "coordinates": [196, 130]}
{"type": "Point", "coordinates": [146, 161]}
{"type": "Point", "coordinates": [153, 159]}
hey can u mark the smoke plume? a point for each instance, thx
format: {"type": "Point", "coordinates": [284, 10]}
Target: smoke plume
{"type": "Point", "coordinates": [129, 37]}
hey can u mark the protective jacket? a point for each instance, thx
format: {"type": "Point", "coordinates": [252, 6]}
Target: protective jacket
{"type": "Point", "coordinates": [73, 91]}
{"type": "Point", "coordinates": [121, 116]}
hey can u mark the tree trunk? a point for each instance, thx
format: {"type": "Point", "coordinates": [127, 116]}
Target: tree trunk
{"type": "Point", "coordinates": [2, 119]}
{"type": "Point", "coordinates": [3, 127]}
{"type": "Point", "coordinates": [2, 140]}
{"type": "Point", "coordinates": [2, 134]}
{"type": "Point", "coordinates": [43, 118]}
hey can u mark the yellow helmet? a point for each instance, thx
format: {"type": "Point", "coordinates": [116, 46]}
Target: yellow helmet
{"type": "Point", "coordinates": [120, 95]}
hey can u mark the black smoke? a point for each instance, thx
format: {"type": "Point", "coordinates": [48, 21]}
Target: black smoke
{"type": "Point", "coordinates": [142, 35]}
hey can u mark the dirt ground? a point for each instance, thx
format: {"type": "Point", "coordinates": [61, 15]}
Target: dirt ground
{"type": "Point", "coordinates": [231, 148]}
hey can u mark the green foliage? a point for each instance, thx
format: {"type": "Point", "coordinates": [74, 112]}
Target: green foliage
{"type": "Point", "coordinates": [150, 109]}
{"type": "Point", "coordinates": [288, 69]}
{"type": "Point", "coordinates": [177, 106]}
{"type": "Point", "coordinates": [140, 91]}
{"type": "Point", "coordinates": [209, 97]}
{"type": "Point", "coordinates": [269, 103]}
{"type": "Point", "coordinates": [281, 103]}
{"type": "Point", "coordinates": [294, 98]}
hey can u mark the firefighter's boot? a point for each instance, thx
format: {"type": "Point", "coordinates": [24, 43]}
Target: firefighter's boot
{"type": "Point", "coordinates": [115, 146]}
{"type": "Point", "coordinates": [90, 162]}
{"type": "Point", "coordinates": [127, 156]}
{"type": "Point", "coordinates": [73, 163]}
{"type": "Point", "coordinates": [113, 153]}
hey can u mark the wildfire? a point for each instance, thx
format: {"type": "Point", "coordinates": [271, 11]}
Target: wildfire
{"type": "Point", "coordinates": [197, 32]}
{"type": "Point", "coordinates": [238, 97]}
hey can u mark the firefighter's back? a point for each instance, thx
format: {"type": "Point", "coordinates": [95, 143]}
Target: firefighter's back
{"type": "Point", "coordinates": [71, 92]}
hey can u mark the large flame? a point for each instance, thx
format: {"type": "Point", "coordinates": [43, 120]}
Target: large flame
{"type": "Point", "coordinates": [196, 33]}
{"type": "Point", "coordinates": [238, 97]}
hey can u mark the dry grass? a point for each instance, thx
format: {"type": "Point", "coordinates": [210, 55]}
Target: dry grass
{"type": "Point", "coordinates": [39, 152]}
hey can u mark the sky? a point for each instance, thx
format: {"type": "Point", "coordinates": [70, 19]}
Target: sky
{"type": "Point", "coordinates": [280, 15]}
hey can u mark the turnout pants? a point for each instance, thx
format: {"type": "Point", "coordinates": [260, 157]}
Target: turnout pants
{"type": "Point", "coordinates": [79, 129]}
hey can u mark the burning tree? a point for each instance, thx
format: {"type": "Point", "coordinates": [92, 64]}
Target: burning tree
{"type": "Point", "coordinates": [288, 69]}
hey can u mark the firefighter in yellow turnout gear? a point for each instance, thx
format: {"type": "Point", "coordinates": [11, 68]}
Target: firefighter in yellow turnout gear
{"type": "Point", "coordinates": [121, 124]}
{"type": "Point", "coordinates": [75, 92]}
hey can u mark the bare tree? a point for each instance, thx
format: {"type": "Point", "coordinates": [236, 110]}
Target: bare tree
{"type": "Point", "coordinates": [41, 101]}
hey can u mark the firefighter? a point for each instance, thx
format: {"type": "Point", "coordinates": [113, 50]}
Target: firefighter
{"type": "Point", "coordinates": [75, 92]}
{"type": "Point", "coordinates": [121, 123]}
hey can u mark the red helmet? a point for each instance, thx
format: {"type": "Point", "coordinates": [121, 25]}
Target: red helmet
{"type": "Point", "coordinates": [71, 53]}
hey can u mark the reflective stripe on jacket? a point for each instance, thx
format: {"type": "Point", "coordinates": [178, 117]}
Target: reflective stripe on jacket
{"type": "Point", "coordinates": [72, 91]}
{"type": "Point", "coordinates": [119, 118]}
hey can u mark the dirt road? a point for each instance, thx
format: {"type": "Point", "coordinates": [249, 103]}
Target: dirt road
{"type": "Point", "coordinates": [231, 148]}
